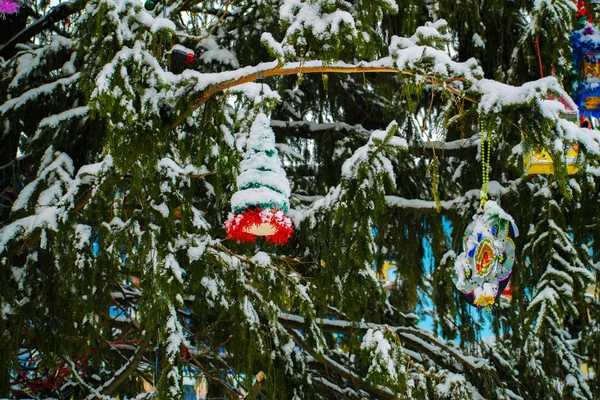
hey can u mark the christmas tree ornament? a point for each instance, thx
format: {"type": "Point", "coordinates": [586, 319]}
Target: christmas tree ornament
{"type": "Point", "coordinates": [585, 44]}
{"type": "Point", "coordinates": [483, 268]}
{"type": "Point", "coordinates": [8, 7]}
{"type": "Point", "coordinates": [262, 200]}
{"type": "Point", "coordinates": [539, 161]}
{"type": "Point", "coordinates": [183, 56]}
{"type": "Point", "coordinates": [149, 5]}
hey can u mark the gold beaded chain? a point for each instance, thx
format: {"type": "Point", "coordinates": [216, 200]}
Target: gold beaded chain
{"type": "Point", "coordinates": [485, 167]}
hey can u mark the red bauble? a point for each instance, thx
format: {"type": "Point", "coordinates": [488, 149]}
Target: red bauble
{"type": "Point", "coordinates": [274, 225]}
{"type": "Point", "coordinates": [190, 58]}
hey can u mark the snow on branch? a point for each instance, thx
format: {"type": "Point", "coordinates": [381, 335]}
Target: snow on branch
{"type": "Point", "coordinates": [413, 337]}
{"type": "Point", "coordinates": [34, 93]}
{"type": "Point", "coordinates": [210, 84]}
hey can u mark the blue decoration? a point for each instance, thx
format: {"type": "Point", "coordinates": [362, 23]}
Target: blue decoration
{"type": "Point", "coordinates": [586, 62]}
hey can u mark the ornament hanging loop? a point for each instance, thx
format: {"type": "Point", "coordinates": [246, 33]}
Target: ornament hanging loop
{"type": "Point", "coordinates": [485, 167]}
{"type": "Point", "coordinates": [259, 76]}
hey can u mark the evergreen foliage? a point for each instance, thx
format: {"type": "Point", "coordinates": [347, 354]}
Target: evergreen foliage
{"type": "Point", "coordinates": [119, 163]}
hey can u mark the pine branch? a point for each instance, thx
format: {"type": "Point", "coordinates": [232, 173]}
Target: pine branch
{"type": "Point", "coordinates": [58, 13]}
{"type": "Point", "coordinates": [332, 365]}
{"type": "Point", "coordinates": [312, 130]}
{"type": "Point", "coordinates": [325, 386]}
{"type": "Point", "coordinates": [110, 385]}
{"type": "Point", "coordinates": [411, 337]}
{"type": "Point", "coordinates": [274, 68]}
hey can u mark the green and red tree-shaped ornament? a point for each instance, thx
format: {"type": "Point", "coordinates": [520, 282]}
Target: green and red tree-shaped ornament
{"type": "Point", "coordinates": [261, 204]}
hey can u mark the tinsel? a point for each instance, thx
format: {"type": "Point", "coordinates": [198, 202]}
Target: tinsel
{"type": "Point", "coordinates": [240, 226]}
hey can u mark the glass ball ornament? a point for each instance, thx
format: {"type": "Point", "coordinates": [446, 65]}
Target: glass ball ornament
{"type": "Point", "coordinates": [149, 5]}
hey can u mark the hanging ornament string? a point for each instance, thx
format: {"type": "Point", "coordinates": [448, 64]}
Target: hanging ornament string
{"type": "Point", "coordinates": [485, 167]}
{"type": "Point", "coordinates": [262, 93]}
{"type": "Point", "coordinates": [539, 54]}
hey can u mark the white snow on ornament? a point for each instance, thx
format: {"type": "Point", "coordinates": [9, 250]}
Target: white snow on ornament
{"type": "Point", "coordinates": [257, 196]}
{"type": "Point", "coordinates": [592, 38]}
{"type": "Point", "coordinates": [461, 265]}
{"type": "Point", "coordinates": [493, 209]}
{"type": "Point", "coordinates": [264, 178]}
{"type": "Point", "coordinates": [263, 162]}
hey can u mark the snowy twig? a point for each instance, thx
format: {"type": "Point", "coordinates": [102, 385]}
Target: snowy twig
{"type": "Point", "coordinates": [212, 29]}
{"type": "Point", "coordinates": [413, 337]}
{"type": "Point", "coordinates": [378, 391]}
{"type": "Point", "coordinates": [58, 13]}
{"type": "Point", "coordinates": [122, 374]}
{"type": "Point", "coordinates": [251, 74]}
{"type": "Point", "coordinates": [84, 384]}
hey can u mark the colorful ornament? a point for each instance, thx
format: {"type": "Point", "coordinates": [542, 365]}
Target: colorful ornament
{"type": "Point", "coordinates": [539, 161]}
{"type": "Point", "coordinates": [262, 200]}
{"type": "Point", "coordinates": [149, 5]}
{"type": "Point", "coordinates": [483, 269]}
{"type": "Point", "coordinates": [8, 7]}
{"type": "Point", "coordinates": [586, 63]}
{"type": "Point", "coordinates": [184, 56]}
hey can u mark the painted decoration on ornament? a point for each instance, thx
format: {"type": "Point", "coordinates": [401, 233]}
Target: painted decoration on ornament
{"type": "Point", "coordinates": [539, 161]}
{"type": "Point", "coordinates": [261, 203]}
{"type": "Point", "coordinates": [586, 62]}
{"type": "Point", "coordinates": [483, 269]}
{"type": "Point", "coordinates": [8, 7]}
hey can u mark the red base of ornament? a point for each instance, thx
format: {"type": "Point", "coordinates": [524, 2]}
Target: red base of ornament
{"type": "Point", "coordinates": [244, 227]}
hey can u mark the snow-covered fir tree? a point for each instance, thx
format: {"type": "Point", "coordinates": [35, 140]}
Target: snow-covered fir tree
{"type": "Point", "coordinates": [124, 128]}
